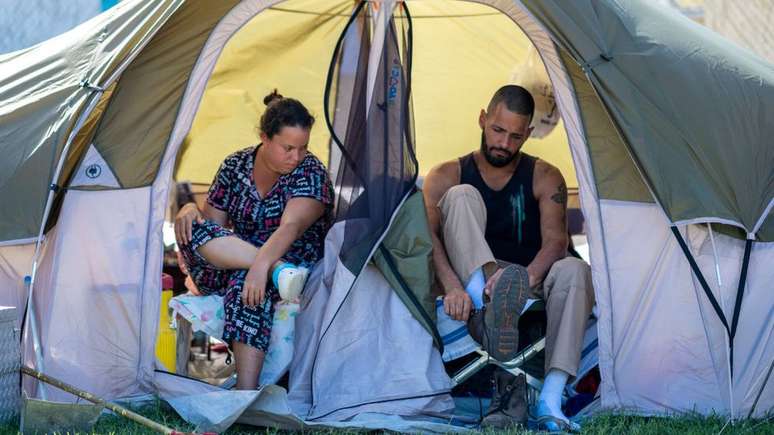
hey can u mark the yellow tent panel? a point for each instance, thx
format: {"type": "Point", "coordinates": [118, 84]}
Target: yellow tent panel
{"type": "Point", "coordinates": [290, 48]}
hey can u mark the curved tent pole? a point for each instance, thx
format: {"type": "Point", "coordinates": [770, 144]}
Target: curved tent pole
{"type": "Point", "coordinates": [54, 188]}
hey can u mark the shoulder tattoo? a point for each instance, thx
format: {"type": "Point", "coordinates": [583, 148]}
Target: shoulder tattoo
{"type": "Point", "coordinates": [560, 197]}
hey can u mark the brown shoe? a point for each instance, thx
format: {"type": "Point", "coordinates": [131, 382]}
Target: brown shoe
{"type": "Point", "coordinates": [509, 402]}
{"type": "Point", "coordinates": [495, 326]}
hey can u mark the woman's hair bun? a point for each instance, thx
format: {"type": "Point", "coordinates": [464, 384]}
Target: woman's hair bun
{"type": "Point", "coordinates": [272, 97]}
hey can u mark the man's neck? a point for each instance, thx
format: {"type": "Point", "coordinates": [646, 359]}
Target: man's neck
{"type": "Point", "coordinates": [495, 171]}
{"type": "Point", "coordinates": [495, 177]}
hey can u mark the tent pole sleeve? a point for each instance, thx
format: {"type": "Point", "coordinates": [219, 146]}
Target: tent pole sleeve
{"type": "Point", "coordinates": [715, 254]}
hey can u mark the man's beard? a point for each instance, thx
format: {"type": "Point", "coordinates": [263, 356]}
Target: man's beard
{"type": "Point", "coordinates": [497, 162]}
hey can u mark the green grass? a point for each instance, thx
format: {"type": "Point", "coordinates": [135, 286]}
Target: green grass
{"type": "Point", "coordinates": [610, 424]}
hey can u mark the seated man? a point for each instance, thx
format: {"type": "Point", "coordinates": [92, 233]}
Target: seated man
{"type": "Point", "coordinates": [498, 222]}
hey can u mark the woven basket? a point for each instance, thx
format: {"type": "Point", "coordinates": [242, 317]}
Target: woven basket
{"type": "Point", "coordinates": [9, 366]}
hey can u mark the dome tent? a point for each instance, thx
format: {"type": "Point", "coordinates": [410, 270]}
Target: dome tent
{"type": "Point", "coordinates": [92, 123]}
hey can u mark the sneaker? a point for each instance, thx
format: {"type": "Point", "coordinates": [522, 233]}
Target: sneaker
{"type": "Point", "coordinates": [495, 326]}
{"type": "Point", "coordinates": [509, 402]}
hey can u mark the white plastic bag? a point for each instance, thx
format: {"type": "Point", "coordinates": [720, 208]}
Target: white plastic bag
{"type": "Point", "coordinates": [532, 75]}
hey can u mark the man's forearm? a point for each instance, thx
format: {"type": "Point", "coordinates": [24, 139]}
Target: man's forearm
{"type": "Point", "coordinates": [550, 253]}
{"type": "Point", "coordinates": [443, 269]}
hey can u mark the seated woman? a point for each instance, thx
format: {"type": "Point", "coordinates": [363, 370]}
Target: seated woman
{"type": "Point", "coordinates": [279, 200]}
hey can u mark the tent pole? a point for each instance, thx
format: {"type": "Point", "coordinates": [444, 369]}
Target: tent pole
{"type": "Point", "coordinates": [718, 310]}
{"type": "Point", "coordinates": [723, 303]}
{"type": "Point", "coordinates": [96, 94]}
{"type": "Point", "coordinates": [54, 188]}
{"type": "Point", "coordinates": [717, 263]}
{"type": "Point", "coordinates": [730, 329]}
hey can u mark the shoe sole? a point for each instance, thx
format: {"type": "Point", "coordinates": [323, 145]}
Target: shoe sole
{"type": "Point", "coordinates": [508, 299]}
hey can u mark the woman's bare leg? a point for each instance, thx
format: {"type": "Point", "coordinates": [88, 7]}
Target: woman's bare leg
{"type": "Point", "coordinates": [229, 252]}
{"type": "Point", "coordinates": [249, 362]}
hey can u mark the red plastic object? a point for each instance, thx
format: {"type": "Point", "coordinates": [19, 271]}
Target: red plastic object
{"type": "Point", "coordinates": [167, 283]}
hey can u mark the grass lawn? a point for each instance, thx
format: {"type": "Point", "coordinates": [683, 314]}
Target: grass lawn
{"type": "Point", "coordinates": [601, 425]}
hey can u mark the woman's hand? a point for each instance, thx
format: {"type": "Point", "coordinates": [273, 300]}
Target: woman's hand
{"type": "Point", "coordinates": [184, 222]}
{"type": "Point", "coordinates": [254, 289]}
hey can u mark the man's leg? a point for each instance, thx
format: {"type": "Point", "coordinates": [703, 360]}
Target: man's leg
{"type": "Point", "coordinates": [463, 219]}
{"type": "Point", "coordinates": [569, 297]}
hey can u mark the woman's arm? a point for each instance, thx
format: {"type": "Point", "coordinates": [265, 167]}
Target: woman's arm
{"type": "Point", "coordinates": [213, 214]}
{"type": "Point", "coordinates": [300, 213]}
{"type": "Point", "coordinates": [190, 213]}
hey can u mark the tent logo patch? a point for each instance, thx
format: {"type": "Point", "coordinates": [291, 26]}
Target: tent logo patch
{"type": "Point", "coordinates": [93, 170]}
{"type": "Point", "coordinates": [394, 81]}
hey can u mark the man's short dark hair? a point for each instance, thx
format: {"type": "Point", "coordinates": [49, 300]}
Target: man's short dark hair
{"type": "Point", "coordinates": [516, 99]}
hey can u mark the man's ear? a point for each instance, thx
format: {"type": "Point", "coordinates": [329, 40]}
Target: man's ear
{"type": "Point", "coordinates": [482, 119]}
{"type": "Point", "coordinates": [529, 132]}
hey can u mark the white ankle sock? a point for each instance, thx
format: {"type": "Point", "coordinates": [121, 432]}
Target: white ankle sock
{"type": "Point", "coordinates": [475, 288]}
{"type": "Point", "coordinates": [551, 394]}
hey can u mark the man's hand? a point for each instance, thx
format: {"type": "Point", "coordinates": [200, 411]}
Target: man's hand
{"type": "Point", "coordinates": [457, 304]}
{"type": "Point", "coordinates": [254, 289]}
{"type": "Point", "coordinates": [490, 283]}
{"type": "Point", "coordinates": [184, 222]}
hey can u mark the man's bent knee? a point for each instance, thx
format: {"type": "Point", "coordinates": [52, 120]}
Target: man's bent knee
{"type": "Point", "coordinates": [462, 191]}
{"type": "Point", "coordinates": [571, 267]}
{"type": "Point", "coordinates": [569, 273]}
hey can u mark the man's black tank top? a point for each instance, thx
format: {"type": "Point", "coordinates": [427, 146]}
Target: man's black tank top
{"type": "Point", "coordinates": [513, 215]}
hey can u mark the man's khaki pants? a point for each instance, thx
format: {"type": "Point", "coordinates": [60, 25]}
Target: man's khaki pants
{"type": "Point", "coordinates": [566, 288]}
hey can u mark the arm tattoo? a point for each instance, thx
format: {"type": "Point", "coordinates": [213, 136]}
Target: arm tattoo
{"type": "Point", "coordinates": [560, 197]}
